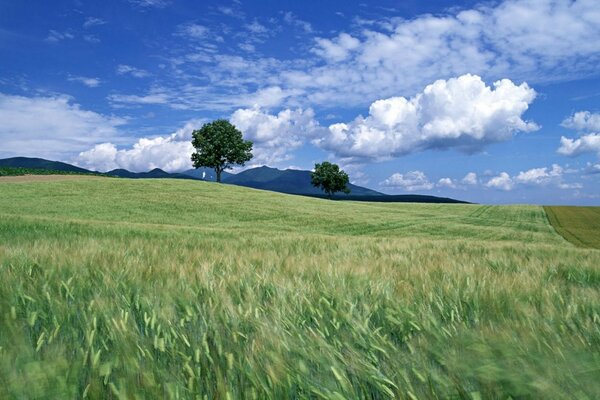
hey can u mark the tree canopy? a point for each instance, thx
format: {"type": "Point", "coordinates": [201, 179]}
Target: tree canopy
{"type": "Point", "coordinates": [220, 145]}
{"type": "Point", "coordinates": [330, 178]}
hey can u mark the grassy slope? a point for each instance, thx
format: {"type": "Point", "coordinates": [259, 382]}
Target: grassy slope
{"type": "Point", "coordinates": [579, 225]}
{"type": "Point", "coordinates": [165, 288]}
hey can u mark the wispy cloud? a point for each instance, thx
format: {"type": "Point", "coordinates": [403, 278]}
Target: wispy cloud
{"type": "Point", "coordinates": [89, 82]}
{"type": "Point", "coordinates": [66, 125]}
{"type": "Point", "coordinates": [123, 69]}
{"type": "Point", "coordinates": [93, 21]}
{"type": "Point", "coordinates": [151, 3]}
{"type": "Point", "coordinates": [56, 36]}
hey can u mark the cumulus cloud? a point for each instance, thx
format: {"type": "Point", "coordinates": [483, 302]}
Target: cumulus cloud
{"type": "Point", "coordinates": [470, 179]}
{"type": "Point", "coordinates": [461, 113]}
{"type": "Point", "coordinates": [275, 135]}
{"type": "Point", "coordinates": [170, 153]}
{"type": "Point", "coordinates": [410, 181]}
{"type": "Point", "coordinates": [502, 182]}
{"type": "Point", "coordinates": [585, 144]}
{"type": "Point", "coordinates": [583, 121]}
{"type": "Point", "coordinates": [337, 49]}
{"type": "Point", "coordinates": [51, 126]}
{"type": "Point", "coordinates": [540, 176]}
{"type": "Point", "coordinates": [447, 182]}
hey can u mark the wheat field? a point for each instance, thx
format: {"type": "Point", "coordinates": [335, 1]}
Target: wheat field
{"type": "Point", "coordinates": [137, 289]}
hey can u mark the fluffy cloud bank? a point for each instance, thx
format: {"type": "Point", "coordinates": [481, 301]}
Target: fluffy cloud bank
{"type": "Point", "coordinates": [533, 177]}
{"type": "Point", "coordinates": [585, 144]}
{"type": "Point", "coordinates": [51, 126]}
{"type": "Point", "coordinates": [170, 153]}
{"type": "Point", "coordinates": [583, 121]}
{"type": "Point", "coordinates": [275, 136]}
{"type": "Point", "coordinates": [534, 40]}
{"type": "Point", "coordinates": [460, 113]}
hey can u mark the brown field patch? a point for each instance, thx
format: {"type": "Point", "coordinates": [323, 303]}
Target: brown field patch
{"type": "Point", "coordinates": [579, 225]}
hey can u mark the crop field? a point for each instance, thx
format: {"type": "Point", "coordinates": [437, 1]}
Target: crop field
{"type": "Point", "coordinates": [579, 225]}
{"type": "Point", "coordinates": [174, 289]}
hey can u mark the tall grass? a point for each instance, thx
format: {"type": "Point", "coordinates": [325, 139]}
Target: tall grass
{"type": "Point", "coordinates": [171, 289]}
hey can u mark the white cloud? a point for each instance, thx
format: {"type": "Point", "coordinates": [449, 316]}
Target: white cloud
{"type": "Point", "coordinates": [470, 179]}
{"type": "Point", "coordinates": [275, 136]}
{"type": "Point", "coordinates": [256, 27]}
{"type": "Point", "coordinates": [446, 182]}
{"type": "Point", "coordinates": [534, 40]}
{"type": "Point", "coordinates": [583, 121]}
{"type": "Point", "coordinates": [197, 98]}
{"type": "Point", "coordinates": [534, 177]}
{"type": "Point", "coordinates": [170, 153]}
{"type": "Point", "coordinates": [89, 82]}
{"type": "Point", "coordinates": [247, 47]}
{"type": "Point", "coordinates": [540, 176]}
{"type": "Point", "coordinates": [411, 181]}
{"type": "Point", "coordinates": [524, 40]}
{"type": "Point", "coordinates": [502, 182]}
{"type": "Point", "coordinates": [51, 126]}
{"type": "Point", "coordinates": [592, 168]}
{"type": "Point", "coordinates": [91, 39]}
{"type": "Point", "coordinates": [193, 31]}
{"type": "Point", "coordinates": [461, 113]}
{"type": "Point", "coordinates": [337, 49]}
{"type": "Point", "coordinates": [93, 21]}
{"type": "Point", "coordinates": [123, 69]}
{"type": "Point", "coordinates": [154, 97]}
{"type": "Point", "coordinates": [585, 144]}
{"type": "Point", "coordinates": [150, 3]}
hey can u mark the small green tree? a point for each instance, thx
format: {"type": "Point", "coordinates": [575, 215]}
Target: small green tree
{"type": "Point", "coordinates": [219, 145]}
{"type": "Point", "coordinates": [330, 178]}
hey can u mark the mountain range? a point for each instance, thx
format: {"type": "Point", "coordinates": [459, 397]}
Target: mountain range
{"type": "Point", "coordinates": [290, 181]}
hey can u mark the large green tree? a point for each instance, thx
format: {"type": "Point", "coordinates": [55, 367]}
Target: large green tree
{"type": "Point", "coordinates": [219, 145]}
{"type": "Point", "coordinates": [330, 178]}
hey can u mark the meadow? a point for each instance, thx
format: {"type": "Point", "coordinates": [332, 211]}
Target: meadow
{"type": "Point", "coordinates": [174, 289]}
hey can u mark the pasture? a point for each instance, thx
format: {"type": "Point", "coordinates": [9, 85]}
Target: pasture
{"type": "Point", "coordinates": [116, 288]}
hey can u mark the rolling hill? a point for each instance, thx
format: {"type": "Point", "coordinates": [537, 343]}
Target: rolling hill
{"type": "Point", "coordinates": [289, 181]}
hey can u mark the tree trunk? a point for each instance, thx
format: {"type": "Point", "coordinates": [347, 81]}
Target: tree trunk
{"type": "Point", "coordinates": [218, 171]}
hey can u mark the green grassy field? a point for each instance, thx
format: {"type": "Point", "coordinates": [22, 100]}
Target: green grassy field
{"type": "Point", "coordinates": [116, 288]}
{"type": "Point", "coordinates": [18, 171]}
{"type": "Point", "coordinates": [579, 225]}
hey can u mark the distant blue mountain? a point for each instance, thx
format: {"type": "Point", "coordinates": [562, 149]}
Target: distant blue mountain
{"type": "Point", "coordinates": [291, 181]}
{"type": "Point", "coordinates": [40, 163]}
{"type": "Point", "coordinates": [206, 174]}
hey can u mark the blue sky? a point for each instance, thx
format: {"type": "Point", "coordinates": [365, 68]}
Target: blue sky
{"type": "Point", "coordinates": [495, 101]}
